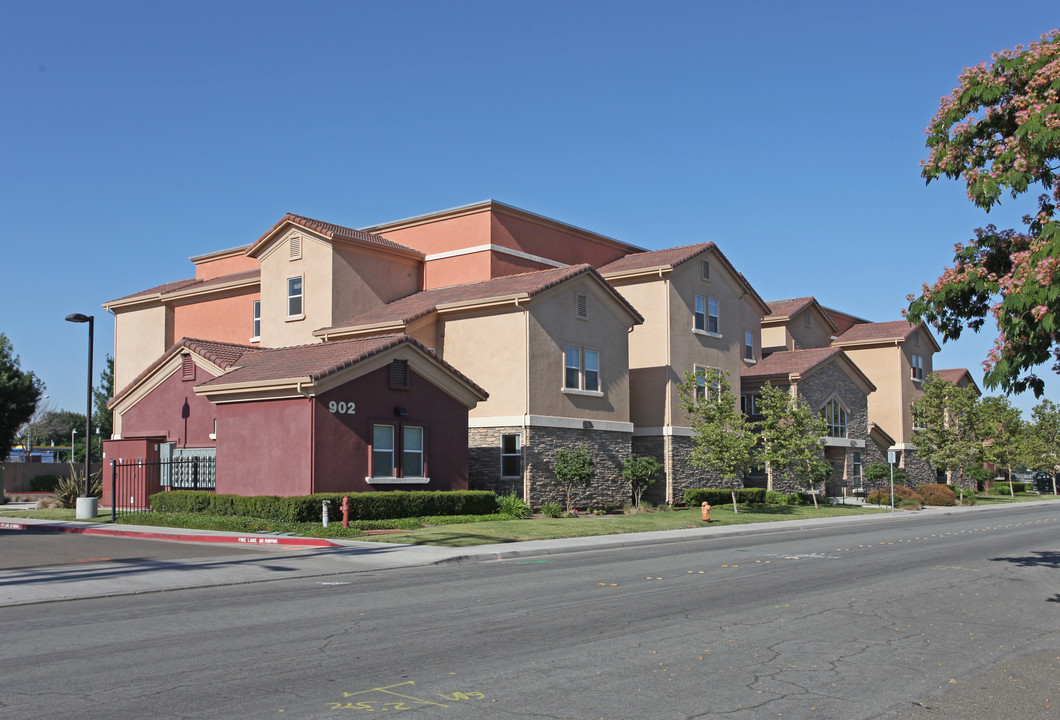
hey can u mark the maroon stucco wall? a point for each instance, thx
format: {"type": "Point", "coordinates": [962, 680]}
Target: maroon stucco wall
{"type": "Point", "coordinates": [265, 447]}
{"type": "Point", "coordinates": [173, 411]}
{"type": "Point", "coordinates": [128, 451]}
{"type": "Point", "coordinates": [342, 440]}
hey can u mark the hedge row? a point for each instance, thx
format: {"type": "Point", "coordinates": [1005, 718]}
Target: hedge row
{"type": "Point", "coordinates": [694, 497]}
{"type": "Point", "coordinates": [1001, 487]}
{"type": "Point", "coordinates": [308, 508]}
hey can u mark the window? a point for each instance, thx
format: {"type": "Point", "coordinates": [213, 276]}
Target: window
{"type": "Point", "coordinates": [581, 369]}
{"type": "Point", "coordinates": [700, 316]}
{"type": "Point", "coordinates": [855, 470]}
{"type": "Point", "coordinates": [835, 416]}
{"type": "Point", "coordinates": [750, 404]}
{"type": "Point", "coordinates": [917, 363]}
{"type": "Point", "coordinates": [705, 267]}
{"type": "Point", "coordinates": [385, 453]}
{"type": "Point", "coordinates": [294, 297]}
{"type": "Point", "coordinates": [706, 378]}
{"type": "Point", "coordinates": [582, 303]}
{"type": "Point", "coordinates": [412, 451]}
{"type": "Point", "coordinates": [748, 345]}
{"type": "Point", "coordinates": [257, 320]}
{"type": "Point", "coordinates": [512, 455]}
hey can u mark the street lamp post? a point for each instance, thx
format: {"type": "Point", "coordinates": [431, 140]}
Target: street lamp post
{"type": "Point", "coordinates": [73, 432]}
{"type": "Point", "coordinates": [86, 503]}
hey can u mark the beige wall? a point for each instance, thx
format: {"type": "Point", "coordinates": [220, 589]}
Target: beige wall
{"type": "Point", "coordinates": [817, 335]}
{"type": "Point", "coordinates": [491, 350]}
{"type": "Point", "coordinates": [365, 279]}
{"type": "Point", "coordinates": [315, 268]}
{"type": "Point", "coordinates": [141, 335]}
{"type": "Point", "coordinates": [554, 326]}
{"type": "Point", "coordinates": [776, 337]}
{"type": "Point", "coordinates": [649, 349]}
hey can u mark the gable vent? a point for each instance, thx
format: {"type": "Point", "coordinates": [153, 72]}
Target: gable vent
{"type": "Point", "coordinates": [187, 367]}
{"type": "Point", "coordinates": [399, 373]}
{"type": "Point", "coordinates": [296, 247]}
{"type": "Point", "coordinates": [583, 306]}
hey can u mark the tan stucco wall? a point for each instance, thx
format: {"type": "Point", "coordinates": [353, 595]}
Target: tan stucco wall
{"type": "Point", "coordinates": [777, 337]}
{"type": "Point", "coordinates": [649, 349]}
{"type": "Point", "coordinates": [140, 337]}
{"type": "Point", "coordinates": [209, 269]}
{"type": "Point", "coordinates": [491, 350]}
{"type": "Point", "coordinates": [554, 326]}
{"type": "Point", "coordinates": [817, 335]}
{"type": "Point", "coordinates": [315, 267]}
{"type": "Point", "coordinates": [365, 280]}
{"type": "Point", "coordinates": [225, 318]}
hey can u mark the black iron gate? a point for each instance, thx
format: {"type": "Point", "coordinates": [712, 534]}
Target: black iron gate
{"type": "Point", "coordinates": [133, 483]}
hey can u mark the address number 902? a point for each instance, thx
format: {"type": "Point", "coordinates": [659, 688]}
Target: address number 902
{"type": "Point", "coordinates": [342, 408]}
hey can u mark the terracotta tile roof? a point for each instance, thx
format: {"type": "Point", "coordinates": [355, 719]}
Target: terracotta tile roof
{"type": "Point", "coordinates": [222, 354]}
{"type": "Point", "coordinates": [320, 360]}
{"type": "Point", "coordinates": [655, 258]}
{"type": "Point", "coordinates": [189, 284]}
{"type": "Point", "coordinates": [425, 302]}
{"type": "Point", "coordinates": [868, 332]}
{"type": "Point", "coordinates": [782, 364]}
{"type": "Point", "coordinates": [953, 375]}
{"type": "Point", "coordinates": [787, 308]}
{"type": "Point", "coordinates": [334, 232]}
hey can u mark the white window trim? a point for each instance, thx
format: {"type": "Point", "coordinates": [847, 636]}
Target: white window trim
{"type": "Point", "coordinates": [846, 423]}
{"type": "Point", "coordinates": [255, 311]}
{"type": "Point", "coordinates": [397, 430]}
{"type": "Point", "coordinates": [518, 454]}
{"type": "Point", "coordinates": [750, 360]}
{"type": "Point", "coordinates": [580, 390]}
{"type": "Point", "coordinates": [301, 297]}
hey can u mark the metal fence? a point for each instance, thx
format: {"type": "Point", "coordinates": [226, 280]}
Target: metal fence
{"type": "Point", "coordinates": [133, 483]}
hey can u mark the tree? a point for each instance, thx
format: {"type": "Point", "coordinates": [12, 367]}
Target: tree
{"type": "Point", "coordinates": [102, 418]}
{"type": "Point", "coordinates": [1045, 439]}
{"type": "Point", "coordinates": [639, 472]}
{"type": "Point", "coordinates": [1003, 433]}
{"type": "Point", "coordinates": [574, 469]}
{"type": "Point", "coordinates": [723, 439]}
{"type": "Point", "coordinates": [998, 132]}
{"type": "Point", "coordinates": [791, 439]}
{"type": "Point", "coordinates": [19, 394]}
{"type": "Point", "coordinates": [948, 420]}
{"type": "Point", "coordinates": [30, 435]}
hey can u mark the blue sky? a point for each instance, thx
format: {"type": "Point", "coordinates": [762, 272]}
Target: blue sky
{"type": "Point", "coordinates": [135, 135]}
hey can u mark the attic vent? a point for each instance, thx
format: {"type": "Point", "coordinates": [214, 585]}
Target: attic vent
{"type": "Point", "coordinates": [706, 269]}
{"type": "Point", "coordinates": [583, 306]}
{"type": "Point", "coordinates": [296, 247]}
{"type": "Point", "coordinates": [187, 367]}
{"type": "Point", "coordinates": [399, 373]}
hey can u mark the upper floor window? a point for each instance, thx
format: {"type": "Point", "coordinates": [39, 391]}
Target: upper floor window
{"type": "Point", "coordinates": [257, 320]}
{"type": "Point", "coordinates": [581, 369]}
{"type": "Point", "coordinates": [917, 364]}
{"type": "Point", "coordinates": [708, 381]}
{"type": "Point", "coordinates": [705, 317]}
{"type": "Point", "coordinates": [294, 297]}
{"type": "Point", "coordinates": [835, 417]}
{"type": "Point", "coordinates": [748, 345]}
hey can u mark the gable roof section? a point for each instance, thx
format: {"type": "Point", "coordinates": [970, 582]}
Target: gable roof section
{"type": "Point", "coordinates": [796, 364]}
{"type": "Point", "coordinates": [654, 261]}
{"type": "Point", "coordinates": [333, 233]}
{"type": "Point", "coordinates": [306, 367]}
{"type": "Point", "coordinates": [184, 288]}
{"type": "Point", "coordinates": [885, 333]}
{"type": "Point", "coordinates": [220, 354]}
{"type": "Point", "coordinates": [783, 311]}
{"type": "Point", "coordinates": [508, 288]}
{"type": "Point", "coordinates": [956, 375]}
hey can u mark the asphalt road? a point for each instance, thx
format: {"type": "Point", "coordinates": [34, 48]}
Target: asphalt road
{"type": "Point", "coordinates": [832, 623]}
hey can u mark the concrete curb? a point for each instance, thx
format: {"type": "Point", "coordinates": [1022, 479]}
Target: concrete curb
{"type": "Point", "coordinates": [156, 534]}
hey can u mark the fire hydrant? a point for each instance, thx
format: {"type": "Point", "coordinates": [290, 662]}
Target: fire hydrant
{"type": "Point", "coordinates": [345, 512]}
{"type": "Point", "coordinates": [706, 511]}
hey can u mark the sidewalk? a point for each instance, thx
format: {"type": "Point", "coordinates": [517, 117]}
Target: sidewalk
{"type": "Point", "coordinates": [285, 557]}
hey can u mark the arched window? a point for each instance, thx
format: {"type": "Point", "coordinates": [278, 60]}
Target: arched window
{"type": "Point", "coordinates": [836, 418]}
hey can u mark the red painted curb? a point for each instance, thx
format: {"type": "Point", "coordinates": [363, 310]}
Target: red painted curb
{"type": "Point", "coordinates": [239, 539]}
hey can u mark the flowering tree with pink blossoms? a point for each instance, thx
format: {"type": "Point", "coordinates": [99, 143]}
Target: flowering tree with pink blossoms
{"type": "Point", "coordinates": [999, 132]}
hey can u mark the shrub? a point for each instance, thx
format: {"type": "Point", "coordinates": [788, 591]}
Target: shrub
{"type": "Point", "coordinates": [882, 496]}
{"type": "Point", "coordinates": [1001, 487]}
{"type": "Point", "coordinates": [937, 495]}
{"type": "Point", "coordinates": [908, 504]}
{"type": "Point", "coordinates": [552, 510]}
{"type": "Point", "coordinates": [307, 508]}
{"type": "Point", "coordinates": [694, 497]}
{"type": "Point", "coordinates": [877, 474]}
{"type": "Point", "coordinates": [513, 506]}
{"type": "Point", "coordinates": [44, 483]}
{"type": "Point", "coordinates": [778, 498]}
{"type": "Point", "coordinates": [68, 489]}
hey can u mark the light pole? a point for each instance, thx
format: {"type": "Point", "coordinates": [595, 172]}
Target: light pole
{"type": "Point", "coordinates": [72, 433]}
{"type": "Point", "coordinates": [83, 508]}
